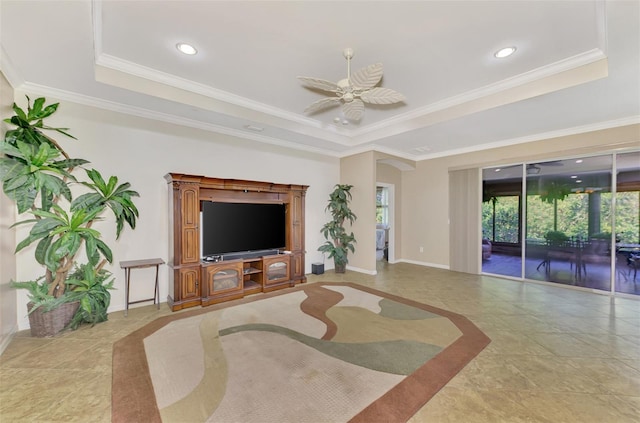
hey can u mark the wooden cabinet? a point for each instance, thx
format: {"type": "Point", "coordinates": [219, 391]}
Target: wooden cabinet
{"type": "Point", "coordinates": [184, 287]}
{"type": "Point", "coordinates": [194, 282]}
{"type": "Point", "coordinates": [276, 271]}
{"type": "Point", "coordinates": [186, 221]}
{"type": "Point", "coordinates": [297, 236]}
{"type": "Point", "coordinates": [189, 284]}
{"type": "Point", "coordinates": [223, 281]}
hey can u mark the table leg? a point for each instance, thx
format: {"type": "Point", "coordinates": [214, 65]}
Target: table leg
{"type": "Point", "coordinates": [156, 293]}
{"type": "Point", "coordinates": [127, 273]}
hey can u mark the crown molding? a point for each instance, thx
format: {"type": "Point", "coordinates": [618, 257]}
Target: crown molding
{"type": "Point", "coordinates": [362, 135]}
{"type": "Point", "coordinates": [168, 118]}
{"type": "Point", "coordinates": [191, 123]}
{"type": "Point", "coordinates": [601, 26]}
{"type": "Point", "coordinates": [576, 130]}
{"type": "Point", "coordinates": [428, 115]}
{"type": "Point", "coordinates": [292, 121]}
{"type": "Point", "coordinates": [125, 66]}
{"type": "Point", "coordinates": [96, 28]}
{"type": "Point", "coordinates": [407, 120]}
{"type": "Point", "coordinates": [203, 100]}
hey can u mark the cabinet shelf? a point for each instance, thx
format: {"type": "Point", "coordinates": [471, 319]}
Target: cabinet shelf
{"type": "Point", "coordinates": [252, 287]}
{"type": "Point", "coordinates": [251, 270]}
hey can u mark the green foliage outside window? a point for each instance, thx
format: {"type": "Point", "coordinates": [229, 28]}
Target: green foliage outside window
{"type": "Point", "coordinates": [506, 222]}
{"type": "Point", "coordinates": [573, 216]}
{"type": "Point", "coordinates": [627, 217]}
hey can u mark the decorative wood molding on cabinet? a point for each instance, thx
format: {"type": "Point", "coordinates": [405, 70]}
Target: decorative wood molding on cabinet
{"type": "Point", "coordinates": [193, 282]}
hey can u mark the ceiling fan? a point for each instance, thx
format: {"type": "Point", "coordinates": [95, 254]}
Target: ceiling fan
{"type": "Point", "coordinates": [353, 91]}
{"type": "Point", "coordinates": [534, 168]}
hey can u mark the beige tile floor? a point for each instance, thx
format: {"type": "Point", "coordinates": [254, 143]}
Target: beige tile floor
{"type": "Point", "coordinates": [557, 355]}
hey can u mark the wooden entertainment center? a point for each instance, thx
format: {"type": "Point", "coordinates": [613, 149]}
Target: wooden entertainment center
{"type": "Point", "coordinates": [193, 281]}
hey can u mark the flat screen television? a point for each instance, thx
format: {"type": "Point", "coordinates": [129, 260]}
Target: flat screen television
{"type": "Point", "coordinates": [242, 227]}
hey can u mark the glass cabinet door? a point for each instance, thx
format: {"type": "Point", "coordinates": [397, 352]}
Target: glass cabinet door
{"type": "Point", "coordinates": [226, 279]}
{"type": "Point", "coordinates": [278, 271]}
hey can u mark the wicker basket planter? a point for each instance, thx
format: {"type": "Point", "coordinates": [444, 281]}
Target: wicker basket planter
{"type": "Point", "coordinates": [49, 323]}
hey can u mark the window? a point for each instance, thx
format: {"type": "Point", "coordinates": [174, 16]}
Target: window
{"type": "Point", "coordinates": [501, 219]}
{"type": "Point", "coordinates": [382, 205]}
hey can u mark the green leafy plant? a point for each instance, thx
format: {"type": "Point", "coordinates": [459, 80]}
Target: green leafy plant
{"type": "Point", "coordinates": [38, 294]}
{"type": "Point", "coordinates": [38, 175]}
{"type": "Point", "coordinates": [338, 242]}
{"type": "Point", "coordinates": [556, 236]}
{"type": "Point", "coordinates": [91, 288]}
{"type": "Point", "coordinates": [554, 191]}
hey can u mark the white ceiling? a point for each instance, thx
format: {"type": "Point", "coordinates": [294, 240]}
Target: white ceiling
{"type": "Point", "coordinates": [577, 67]}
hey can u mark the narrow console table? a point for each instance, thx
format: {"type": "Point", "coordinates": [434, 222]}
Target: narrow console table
{"type": "Point", "coordinates": [140, 264]}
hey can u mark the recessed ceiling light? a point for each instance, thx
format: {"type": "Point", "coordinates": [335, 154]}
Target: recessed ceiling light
{"type": "Point", "coordinates": [578, 181]}
{"type": "Point", "coordinates": [579, 161]}
{"type": "Point", "coordinates": [498, 170]}
{"type": "Point", "coordinates": [505, 52]}
{"type": "Point", "coordinates": [574, 176]}
{"type": "Point", "coordinates": [186, 48]}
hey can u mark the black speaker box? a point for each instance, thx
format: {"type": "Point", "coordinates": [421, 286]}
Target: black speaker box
{"type": "Point", "coordinates": [317, 268]}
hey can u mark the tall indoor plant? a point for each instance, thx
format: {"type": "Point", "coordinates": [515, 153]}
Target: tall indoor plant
{"type": "Point", "coordinates": [338, 241]}
{"type": "Point", "coordinates": [38, 175]}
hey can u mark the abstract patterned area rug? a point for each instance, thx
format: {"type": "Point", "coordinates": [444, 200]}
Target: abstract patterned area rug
{"type": "Point", "coordinates": [325, 352]}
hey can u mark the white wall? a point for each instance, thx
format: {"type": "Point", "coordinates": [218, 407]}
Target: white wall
{"type": "Point", "coordinates": [142, 151]}
{"type": "Point", "coordinates": [8, 321]}
{"type": "Point", "coordinates": [359, 170]}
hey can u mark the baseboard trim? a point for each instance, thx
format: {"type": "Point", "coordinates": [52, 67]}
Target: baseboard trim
{"type": "Point", "coordinates": [6, 340]}
{"type": "Point", "coordinates": [359, 270]}
{"type": "Point", "coordinates": [424, 263]}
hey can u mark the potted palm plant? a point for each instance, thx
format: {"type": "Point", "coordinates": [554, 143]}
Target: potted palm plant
{"type": "Point", "coordinates": [338, 242]}
{"type": "Point", "coordinates": [39, 176]}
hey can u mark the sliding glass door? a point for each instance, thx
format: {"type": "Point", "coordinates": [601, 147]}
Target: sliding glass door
{"type": "Point", "coordinates": [627, 223]}
{"type": "Point", "coordinates": [502, 220]}
{"type": "Point", "coordinates": [572, 226]}
{"type": "Point", "coordinates": [568, 230]}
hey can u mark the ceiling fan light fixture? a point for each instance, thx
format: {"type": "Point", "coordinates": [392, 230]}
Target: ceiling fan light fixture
{"type": "Point", "coordinates": [533, 170]}
{"type": "Point", "coordinates": [353, 91]}
{"type": "Point", "coordinates": [505, 52]}
{"type": "Point", "coordinates": [186, 49]}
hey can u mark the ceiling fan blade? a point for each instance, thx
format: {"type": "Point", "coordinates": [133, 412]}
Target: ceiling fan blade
{"type": "Point", "coordinates": [353, 110]}
{"type": "Point", "coordinates": [320, 84]}
{"type": "Point", "coordinates": [367, 77]}
{"type": "Point", "coordinates": [551, 163]}
{"type": "Point", "coordinates": [381, 96]}
{"type": "Point", "coordinates": [322, 104]}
